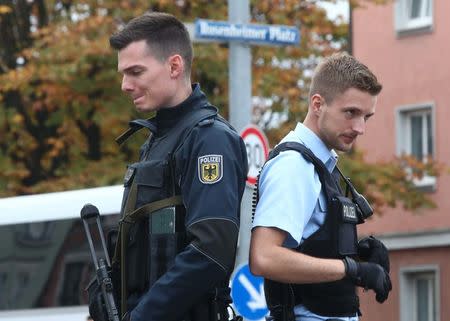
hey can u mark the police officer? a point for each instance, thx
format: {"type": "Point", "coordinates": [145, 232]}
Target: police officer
{"type": "Point", "coordinates": [180, 213]}
{"type": "Point", "coordinates": [304, 240]}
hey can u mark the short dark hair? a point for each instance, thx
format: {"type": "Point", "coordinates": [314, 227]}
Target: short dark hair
{"type": "Point", "coordinates": [163, 33]}
{"type": "Point", "coordinates": [339, 72]}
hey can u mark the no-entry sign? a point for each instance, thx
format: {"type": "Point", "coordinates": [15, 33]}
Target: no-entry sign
{"type": "Point", "coordinates": [257, 151]}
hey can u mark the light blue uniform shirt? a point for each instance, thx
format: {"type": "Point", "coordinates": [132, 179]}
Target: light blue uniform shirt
{"type": "Point", "coordinates": [290, 197]}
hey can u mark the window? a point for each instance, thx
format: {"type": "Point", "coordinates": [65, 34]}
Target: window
{"type": "Point", "coordinates": [413, 15]}
{"type": "Point", "coordinates": [72, 287]}
{"type": "Point", "coordinates": [46, 264]}
{"type": "Point", "coordinates": [415, 136]}
{"type": "Point", "coordinates": [419, 129]}
{"type": "Point", "coordinates": [423, 287]}
{"type": "Point", "coordinates": [35, 234]}
{"type": "Point", "coordinates": [419, 295]}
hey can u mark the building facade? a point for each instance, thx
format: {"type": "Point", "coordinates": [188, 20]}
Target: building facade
{"type": "Point", "coordinates": [406, 43]}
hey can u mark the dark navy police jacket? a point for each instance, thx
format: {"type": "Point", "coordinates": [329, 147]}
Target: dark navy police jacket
{"type": "Point", "coordinates": [210, 171]}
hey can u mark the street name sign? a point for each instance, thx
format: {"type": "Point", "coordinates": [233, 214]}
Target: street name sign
{"type": "Point", "coordinates": [250, 33]}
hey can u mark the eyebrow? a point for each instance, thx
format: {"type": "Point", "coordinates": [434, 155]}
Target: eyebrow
{"type": "Point", "coordinates": [358, 109]}
{"type": "Point", "coordinates": [130, 68]}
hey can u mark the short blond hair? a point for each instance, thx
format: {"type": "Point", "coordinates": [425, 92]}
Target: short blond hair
{"type": "Point", "coordinates": [339, 72]}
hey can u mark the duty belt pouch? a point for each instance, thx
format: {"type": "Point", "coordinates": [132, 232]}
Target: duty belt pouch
{"type": "Point", "coordinates": [280, 300]}
{"type": "Point", "coordinates": [344, 210]}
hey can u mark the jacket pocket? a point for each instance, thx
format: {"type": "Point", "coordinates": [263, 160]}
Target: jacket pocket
{"type": "Point", "coordinates": [149, 178]}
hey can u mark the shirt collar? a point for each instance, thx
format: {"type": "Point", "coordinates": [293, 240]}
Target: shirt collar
{"type": "Point", "coordinates": [317, 146]}
{"type": "Point", "coordinates": [167, 118]}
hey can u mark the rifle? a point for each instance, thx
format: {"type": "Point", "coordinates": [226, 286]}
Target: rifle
{"type": "Point", "coordinates": [102, 265]}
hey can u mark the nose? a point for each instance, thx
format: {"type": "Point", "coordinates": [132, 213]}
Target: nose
{"type": "Point", "coordinates": [359, 125]}
{"type": "Point", "coordinates": [127, 85]}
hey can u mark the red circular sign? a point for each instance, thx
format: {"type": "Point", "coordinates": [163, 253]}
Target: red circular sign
{"type": "Point", "coordinates": [257, 147]}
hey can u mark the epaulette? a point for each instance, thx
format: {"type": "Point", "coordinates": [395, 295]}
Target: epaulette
{"type": "Point", "coordinates": [134, 126]}
{"type": "Point", "coordinates": [206, 122]}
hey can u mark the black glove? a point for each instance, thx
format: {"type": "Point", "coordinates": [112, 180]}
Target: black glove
{"type": "Point", "coordinates": [373, 250]}
{"type": "Point", "coordinates": [369, 276]}
{"type": "Point", "coordinates": [96, 306]}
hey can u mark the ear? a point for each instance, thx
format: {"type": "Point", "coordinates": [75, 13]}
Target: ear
{"type": "Point", "coordinates": [316, 102]}
{"type": "Point", "coordinates": [176, 65]}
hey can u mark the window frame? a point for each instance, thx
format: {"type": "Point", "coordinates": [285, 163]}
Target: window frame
{"type": "Point", "coordinates": [403, 136]}
{"type": "Point", "coordinates": [404, 24]}
{"type": "Point", "coordinates": [408, 291]}
{"type": "Point", "coordinates": [81, 258]}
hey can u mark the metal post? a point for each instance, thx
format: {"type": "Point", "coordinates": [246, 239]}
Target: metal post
{"type": "Point", "coordinates": [240, 84]}
{"type": "Point", "coordinates": [240, 79]}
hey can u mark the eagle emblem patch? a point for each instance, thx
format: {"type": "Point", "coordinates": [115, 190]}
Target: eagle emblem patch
{"type": "Point", "coordinates": [210, 168]}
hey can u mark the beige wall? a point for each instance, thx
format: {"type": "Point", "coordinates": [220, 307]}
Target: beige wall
{"type": "Point", "coordinates": [413, 69]}
{"type": "Point", "coordinates": [390, 310]}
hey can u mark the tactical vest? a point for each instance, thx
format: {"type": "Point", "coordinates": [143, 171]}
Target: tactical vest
{"type": "Point", "coordinates": [335, 239]}
{"type": "Point", "coordinates": [152, 231]}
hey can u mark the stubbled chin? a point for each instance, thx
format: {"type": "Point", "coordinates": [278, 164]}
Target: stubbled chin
{"type": "Point", "coordinates": [146, 108]}
{"type": "Point", "coordinates": [343, 146]}
{"type": "Point", "coordinates": [141, 108]}
{"type": "Point", "coordinates": [346, 147]}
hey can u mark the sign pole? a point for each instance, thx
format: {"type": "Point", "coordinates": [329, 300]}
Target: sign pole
{"type": "Point", "coordinates": [240, 64]}
{"type": "Point", "coordinates": [240, 91]}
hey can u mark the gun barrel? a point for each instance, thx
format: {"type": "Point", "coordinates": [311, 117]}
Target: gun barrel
{"type": "Point", "coordinates": [102, 269]}
{"type": "Point", "coordinates": [91, 244]}
{"type": "Point", "coordinates": [107, 291]}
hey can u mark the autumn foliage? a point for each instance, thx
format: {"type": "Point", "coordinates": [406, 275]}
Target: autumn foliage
{"type": "Point", "coordinates": [61, 105]}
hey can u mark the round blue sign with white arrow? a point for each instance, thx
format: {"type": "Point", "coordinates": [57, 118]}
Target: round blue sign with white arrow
{"type": "Point", "coordinates": [247, 292]}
